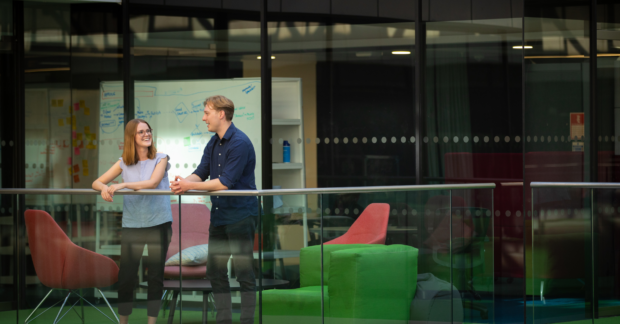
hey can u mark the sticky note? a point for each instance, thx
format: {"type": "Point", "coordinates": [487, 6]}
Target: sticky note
{"type": "Point", "coordinates": [60, 102]}
{"type": "Point", "coordinates": [76, 168]}
{"type": "Point", "coordinates": [54, 103]}
{"type": "Point", "coordinates": [76, 106]}
{"type": "Point", "coordinates": [81, 144]}
{"type": "Point", "coordinates": [79, 136]}
{"type": "Point", "coordinates": [76, 178]}
{"type": "Point", "coordinates": [69, 110]}
{"type": "Point", "coordinates": [70, 170]}
{"type": "Point", "coordinates": [69, 161]}
{"type": "Point", "coordinates": [76, 151]}
{"type": "Point", "coordinates": [61, 122]}
{"type": "Point", "coordinates": [186, 141]}
{"type": "Point", "coordinates": [84, 163]}
{"type": "Point", "coordinates": [74, 143]}
{"type": "Point", "coordinates": [85, 172]}
{"type": "Point", "coordinates": [90, 146]}
{"type": "Point", "coordinates": [86, 129]}
{"type": "Point", "coordinates": [74, 134]}
{"type": "Point", "coordinates": [86, 111]}
{"type": "Point", "coordinates": [82, 104]}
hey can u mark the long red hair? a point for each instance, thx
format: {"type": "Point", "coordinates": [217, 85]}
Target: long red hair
{"type": "Point", "coordinates": [130, 153]}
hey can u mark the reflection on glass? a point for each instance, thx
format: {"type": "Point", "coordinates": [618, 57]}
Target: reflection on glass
{"type": "Point", "coordinates": [606, 277]}
{"type": "Point", "coordinates": [387, 257]}
{"type": "Point", "coordinates": [561, 280]}
{"type": "Point", "coordinates": [290, 260]}
{"type": "Point", "coordinates": [473, 133]}
{"type": "Point", "coordinates": [558, 147]}
{"type": "Point", "coordinates": [345, 73]}
{"type": "Point", "coordinates": [606, 211]}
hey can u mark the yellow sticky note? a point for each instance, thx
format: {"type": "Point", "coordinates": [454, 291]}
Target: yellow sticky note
{"type": "Point", "coordinates": [60, 102]}
{"type": "Point", "coordinates": [79, 136]}
{"type": "Point", "coordinates": [86, 129]}
{"type": "Point", "coordinates": [69, 110]}
{"type": "Point", "coordinates": [85, 172]}
{"type": "Point", "coordinates": [61, 122]}
{"type": "Point", "coordinates": [85, 163]}
{"type": "Point", "coordinates": [70, 170]}
{"type": "Point", "coordinates": [82, 104]}
{"type": "Point", "coordinates": [54, 103]}
{"type": "Point", "coordinates": [74, 143]}
{"type": "Point", "coordinates": [86, 111]}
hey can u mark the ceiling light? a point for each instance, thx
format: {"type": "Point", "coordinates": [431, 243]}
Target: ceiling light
{"type": "Point", "coordinates": [401, 52]}
{"type": "Point", "coordinates": [272, 57]}
{"type": "Point", "coordinates": [523, 47]}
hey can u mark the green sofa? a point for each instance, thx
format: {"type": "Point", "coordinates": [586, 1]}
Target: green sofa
{"type": "Point", "coordinates": [363, 283]}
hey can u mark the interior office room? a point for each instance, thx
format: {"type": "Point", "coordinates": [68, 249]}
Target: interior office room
{"type": "Point", "coordinates": [466, 150]}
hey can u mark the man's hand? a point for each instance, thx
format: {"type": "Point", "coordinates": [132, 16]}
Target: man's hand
{"type": "Point", "coordinates": [179, 185]}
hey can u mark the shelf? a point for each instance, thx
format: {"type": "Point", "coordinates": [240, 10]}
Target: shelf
{"type": "Point", "coordinates": [287, 166]}
{"type": "Point", "coordinates": [286, 122]}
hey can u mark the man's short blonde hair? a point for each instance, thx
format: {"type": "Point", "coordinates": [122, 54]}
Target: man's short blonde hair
{"type": "Point", "coordinates": [221, 103]}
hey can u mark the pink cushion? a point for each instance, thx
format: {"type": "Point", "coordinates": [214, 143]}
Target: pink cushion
{"type": "Point", "coordinates": [195, 227]}
{"type": "Point", "coordinates": [195, 231]}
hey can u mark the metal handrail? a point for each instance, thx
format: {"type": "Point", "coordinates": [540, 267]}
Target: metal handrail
{"type": "Point", "coordinates": [583, 185]}
{"type": "Point", "coordinates": [270, 192]}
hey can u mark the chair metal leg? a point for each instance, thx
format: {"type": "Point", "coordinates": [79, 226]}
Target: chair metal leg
{"type": "Point", "coordinates": [61, 307]}
{"type": "Point", "coordinates": [108, 303]}
{"type": "Point", "coordinates": [173, 305]}
{"type": "Point", "coordinates": [35, 309]}
{"type": "Point", "coordinates": [72, 308]}
{"type": "Point", "coordinates": [95, 307]}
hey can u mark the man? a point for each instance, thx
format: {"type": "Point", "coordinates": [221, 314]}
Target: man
{"type": "Point", "coordinates": [229, 161]}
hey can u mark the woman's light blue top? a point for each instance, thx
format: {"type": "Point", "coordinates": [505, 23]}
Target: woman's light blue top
{"type": "Point", "coordinates": [145, 211]}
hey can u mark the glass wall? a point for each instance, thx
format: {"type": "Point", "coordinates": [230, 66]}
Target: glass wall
{"type": "Point", "coordinates": [605, 212]}
{"type": "Point", "coordinates": [558, 147]}
{"type": "Point", "coordinates": [473, 124]}
{"type": "Point", "coordinates": [370, 93]}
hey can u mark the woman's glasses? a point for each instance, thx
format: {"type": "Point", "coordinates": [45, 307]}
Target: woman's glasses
{"type": "Point", "coordinates": [145, 132]}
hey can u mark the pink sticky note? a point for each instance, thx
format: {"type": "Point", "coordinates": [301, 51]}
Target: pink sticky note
{"type": "Point", "coordinates": [76, 106]}
{"type": "Point", "coordinates": [69, 161]}
{"type": "Point", "coordinates": [76, 151]}
{"type": "Point", "coordinates": [74, 134]}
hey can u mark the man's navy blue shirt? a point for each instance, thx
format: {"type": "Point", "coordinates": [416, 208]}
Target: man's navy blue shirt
{"type": "Point", "coordinates": [232, 160]}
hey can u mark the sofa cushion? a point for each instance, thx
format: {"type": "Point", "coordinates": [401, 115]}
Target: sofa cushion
{"type": "Point", "coordinates": [310, 262]}
{"type": "Point", "coordinates": [301, 302]}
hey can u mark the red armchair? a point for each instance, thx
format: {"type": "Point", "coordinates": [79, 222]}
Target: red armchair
{"type": "Point", "coordinates": [60, 264]}
{"type": "Point", "coordinates": [369, 228]}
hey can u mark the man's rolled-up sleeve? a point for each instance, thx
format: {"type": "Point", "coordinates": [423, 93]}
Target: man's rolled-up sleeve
{"type": "Point", "coordinates": [204, 168]}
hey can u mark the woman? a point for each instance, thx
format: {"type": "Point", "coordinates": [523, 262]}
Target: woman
{"type": "Point", "coordinates": [146, 219]}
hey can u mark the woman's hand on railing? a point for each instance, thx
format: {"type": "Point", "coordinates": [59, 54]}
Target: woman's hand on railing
{"type": "Point", "coordinates": [105, 195]}
{"type": "Point", "coordinates": [111, 189]}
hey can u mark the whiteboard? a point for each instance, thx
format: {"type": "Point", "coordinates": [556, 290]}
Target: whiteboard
{"type": "Point", "coordinates": [174, 109]}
